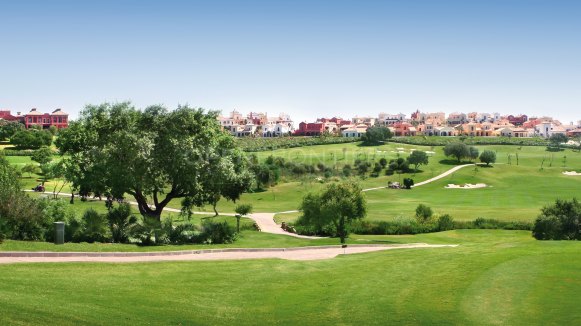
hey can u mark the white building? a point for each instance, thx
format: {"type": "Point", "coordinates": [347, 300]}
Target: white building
{"type": "Point", "coordinates": [355, 131]}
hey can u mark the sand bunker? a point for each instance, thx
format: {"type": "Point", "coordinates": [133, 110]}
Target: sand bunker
{"type": "Point", "coordinates": [571, 173]}
{"type": "Point", "coordinates": [466, 186]}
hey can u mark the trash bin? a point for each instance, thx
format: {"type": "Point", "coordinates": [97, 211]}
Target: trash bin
{"type": "Point", "coordinates": [59, 232]}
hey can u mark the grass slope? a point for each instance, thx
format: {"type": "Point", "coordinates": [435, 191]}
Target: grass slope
{"type": "Point", "coordinates": [493, 277]}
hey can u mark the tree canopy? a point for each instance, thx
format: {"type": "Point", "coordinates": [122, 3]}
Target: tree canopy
{"type": "Point", "coordinates": [560, 221]}
{"type": "Point", "coordinates": [418, 158]}
{"type": "Point", "coordinates": [460, 150]}
{"type": "Point", "coordinates": [42, 155]}
{"type": "Point", "coordinates": [557, 139]}
{"type": "Point", "coordinates": [154, 155]}
{"type": "Point", "coordinates": [31, 139]}
{"type": "Point", "coordinates": [376, 135]}
{"type": "Point", "coordinates": [488, 157]}
{"type": "Point", "coordinates": [9, 128]}
{"type": "Point", "coordinates": [338, 204]}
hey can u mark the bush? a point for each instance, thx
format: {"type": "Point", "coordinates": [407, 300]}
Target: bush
{"type": "Point", "coordinates": [54, 210]}
{"type": "Point", "coordinates": [217, 233]}
{"type": "Point", "coordinates": [177, 234]}
{"type": "Point", "coordinates": [23, 218]}
{"type": "Point", "coordinates": [408, 183]}
{"type": "Point", "coordinates": [149, 232]}
{"type": "Point", "coordinates": [423, 213]}
{"type": "Point", "coordinates": [405, 225]}
{"type": "Point", "coordinates": [383, 162]}
{"type": "Point", "coordinates": [93, 226]}
{"type": "Point", "coordinates": [561, 221]}
{"type": "Point", "coordinates": [445, 223]}
{"type": "Point", "coordinates": [31, 139]}
{"type": "Point", "coordinates": [347, 170]}
{"type": "Point", "coordinates": [121, 221]}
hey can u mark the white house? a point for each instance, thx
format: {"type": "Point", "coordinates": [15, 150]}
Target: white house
{"type": "Point", "coordinates": [357, 131]}
{"type": "Point", "coordinates": [544, 129]}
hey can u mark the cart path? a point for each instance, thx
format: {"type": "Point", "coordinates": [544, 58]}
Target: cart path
{"type": "Point", "coordinates": [296, 253]}
{"type": "Point", "coordinates": [438, 177]}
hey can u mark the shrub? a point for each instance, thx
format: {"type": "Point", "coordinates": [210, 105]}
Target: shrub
{"type": "Point", "coordinates": [347, 170]}
{"type": "Point", "coordinates": [93, 226]}
{"type": "Point", "coordinates": [54, 210]}
{"type": "Point", "coordinates": [73, 229]}
{"type": "Point", "coordinates": [445, 222]}
{"type": "Point", "coordinates": [177, 234]}
{"type": "Point", "coordinates": [423, 213]}
{"type": "Point", "coordinates": [408, 183]}
{"type": "Point", "coordinates": [561, 221]}
{"type": "Point", "coordinates": [148, 232]}
{"type": "Point", "coordinates": [121, 221]}
{"type": "Point", "coordinates": [217, 233]}
{"type": "Point", "coordinates": [383, 161]}
{"type": "Point", "coordinates": [23, 218]}
{"type": "Point", "coordinates": [31, 139]}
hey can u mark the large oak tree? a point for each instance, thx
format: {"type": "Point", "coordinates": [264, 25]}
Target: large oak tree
{"type": "Point", "coordinates": [154, 155]}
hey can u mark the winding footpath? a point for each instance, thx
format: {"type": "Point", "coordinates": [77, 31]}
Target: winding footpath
{"type": "Point", "coordinates": [438, 177]}
{"type": "Point", "coordinates": [296, 253]}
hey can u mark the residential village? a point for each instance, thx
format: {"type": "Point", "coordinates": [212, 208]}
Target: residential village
{"type": "Point", "coordinates": [418, 124]}
{"type": "Point", "coordinates": [57, 118]}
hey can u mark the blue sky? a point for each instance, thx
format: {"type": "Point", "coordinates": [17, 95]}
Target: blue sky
{"type": "Point", "coordinates": [307, 58]}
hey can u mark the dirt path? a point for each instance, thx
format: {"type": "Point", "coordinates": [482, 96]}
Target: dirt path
{"type": "Point", "coordinates": [298, 253]}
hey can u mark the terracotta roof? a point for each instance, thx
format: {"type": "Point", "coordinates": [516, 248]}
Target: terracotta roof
{"type": "Point", "coordinates": [58, 112]}
{"type": "Point", "coordinates": [34, 112]}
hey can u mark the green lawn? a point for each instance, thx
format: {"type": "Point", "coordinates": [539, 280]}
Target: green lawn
{"type": "Point", "coordinates": [492, 278]}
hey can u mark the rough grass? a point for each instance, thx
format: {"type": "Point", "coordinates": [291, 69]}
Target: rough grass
{"type": "Point", "coordinates": [493, 277]}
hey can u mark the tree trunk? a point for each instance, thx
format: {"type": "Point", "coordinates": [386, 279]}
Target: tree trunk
{"type": "Point", "coordinates": [238, 223]}
{"type": "Point", "coordinates": [214, 206]}
{"type": "Point", "coordinates": [341, 229]}
{"type": "Point", "coordinates": [72, 198]}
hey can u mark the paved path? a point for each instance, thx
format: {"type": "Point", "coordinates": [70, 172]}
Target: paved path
{"type": "Point", "coordinates": [440, 176]}
{"type": "Point", "coordinates": [267, 224]}
{"type": "Point", "coordinates": [298, 253]}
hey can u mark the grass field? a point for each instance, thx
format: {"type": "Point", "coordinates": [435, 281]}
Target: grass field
{"type": "Point", "coordinates": [516, 192]}
{"type": "Point", "coordinates": [492, 278]}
